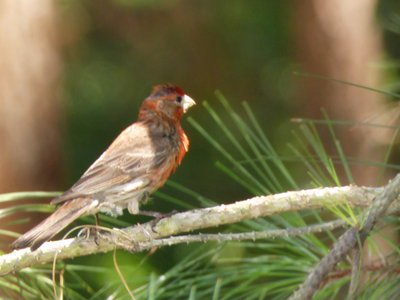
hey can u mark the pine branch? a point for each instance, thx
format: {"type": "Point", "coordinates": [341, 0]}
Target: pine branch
{"type": "Point", "coordinates": [348, 241]}
{"type": "Point", "coordinates": [145, 236]}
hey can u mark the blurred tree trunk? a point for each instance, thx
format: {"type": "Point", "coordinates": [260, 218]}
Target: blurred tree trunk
{"type": "Point", "coordinates": [339, 39]}
{"type": "Point", "coordinates": [29, 108]}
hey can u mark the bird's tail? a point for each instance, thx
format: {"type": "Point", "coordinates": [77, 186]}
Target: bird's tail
{"type": "Point", "coordinates": [49, 227]}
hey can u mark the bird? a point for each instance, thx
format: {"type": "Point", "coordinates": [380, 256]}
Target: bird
{"type": "Point", "coordinates": [137, 163]}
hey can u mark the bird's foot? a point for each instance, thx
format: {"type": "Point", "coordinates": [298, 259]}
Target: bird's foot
{"type": "Point", "coordinates": [157, 216]}
{"type": "Point", "coordinates": [91, 231]}
{"type": "Point", "coordinates": [88, 232]}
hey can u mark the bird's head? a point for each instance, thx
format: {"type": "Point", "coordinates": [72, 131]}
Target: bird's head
{"type": "Point", "coordinates": [168, 101]}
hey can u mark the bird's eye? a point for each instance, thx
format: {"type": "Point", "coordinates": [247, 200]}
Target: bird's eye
{"type": "Point", "coordinates": [179, 99]}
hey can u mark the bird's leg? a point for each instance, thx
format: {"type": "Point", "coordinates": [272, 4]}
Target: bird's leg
{"type": "Point", "coordinates": [155, 214]}
{"type": "Point", "coordinates": [96, 229]}
{"type": "Point", "coordinates": [97, 220]}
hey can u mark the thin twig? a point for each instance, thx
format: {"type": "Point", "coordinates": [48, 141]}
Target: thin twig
{"type": "Point", "coordinates": [131, 245]}
{"type": "Point", "coordinates": [382, 268]}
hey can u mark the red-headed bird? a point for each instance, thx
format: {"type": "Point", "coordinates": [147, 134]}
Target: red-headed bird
{"type": "Point", "coordinates": [137, 163]}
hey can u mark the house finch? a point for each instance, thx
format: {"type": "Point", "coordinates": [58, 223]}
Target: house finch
{"type": "Point", "coordinates": [137, 163]}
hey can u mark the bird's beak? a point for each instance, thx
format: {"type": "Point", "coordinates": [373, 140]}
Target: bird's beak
{"type": "Point", "coordinates": [187, 103]}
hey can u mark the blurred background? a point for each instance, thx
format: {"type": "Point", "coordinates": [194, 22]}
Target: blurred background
{"type": "Point", "coordinates": [73, 74]}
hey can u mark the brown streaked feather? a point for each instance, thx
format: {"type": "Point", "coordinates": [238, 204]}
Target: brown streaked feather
{"type": "Point", "coordinates": [120, 163]}
{"type": "Point", "coordinates": [49, 227]}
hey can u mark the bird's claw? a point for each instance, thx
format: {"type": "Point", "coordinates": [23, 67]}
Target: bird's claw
{"type": "Point", "coordinates": [88, 232]}
{"type": "Point", "coordinates": [157, 217]}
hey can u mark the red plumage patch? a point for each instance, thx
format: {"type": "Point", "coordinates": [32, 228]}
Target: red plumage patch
{"type": "Point", "coordinates": [179, 91]}
{"type": "Point", "coordinates": [166, 89]}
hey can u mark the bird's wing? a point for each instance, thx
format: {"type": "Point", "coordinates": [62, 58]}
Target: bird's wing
{"type": "Point", "coordinates": [131, 156]}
